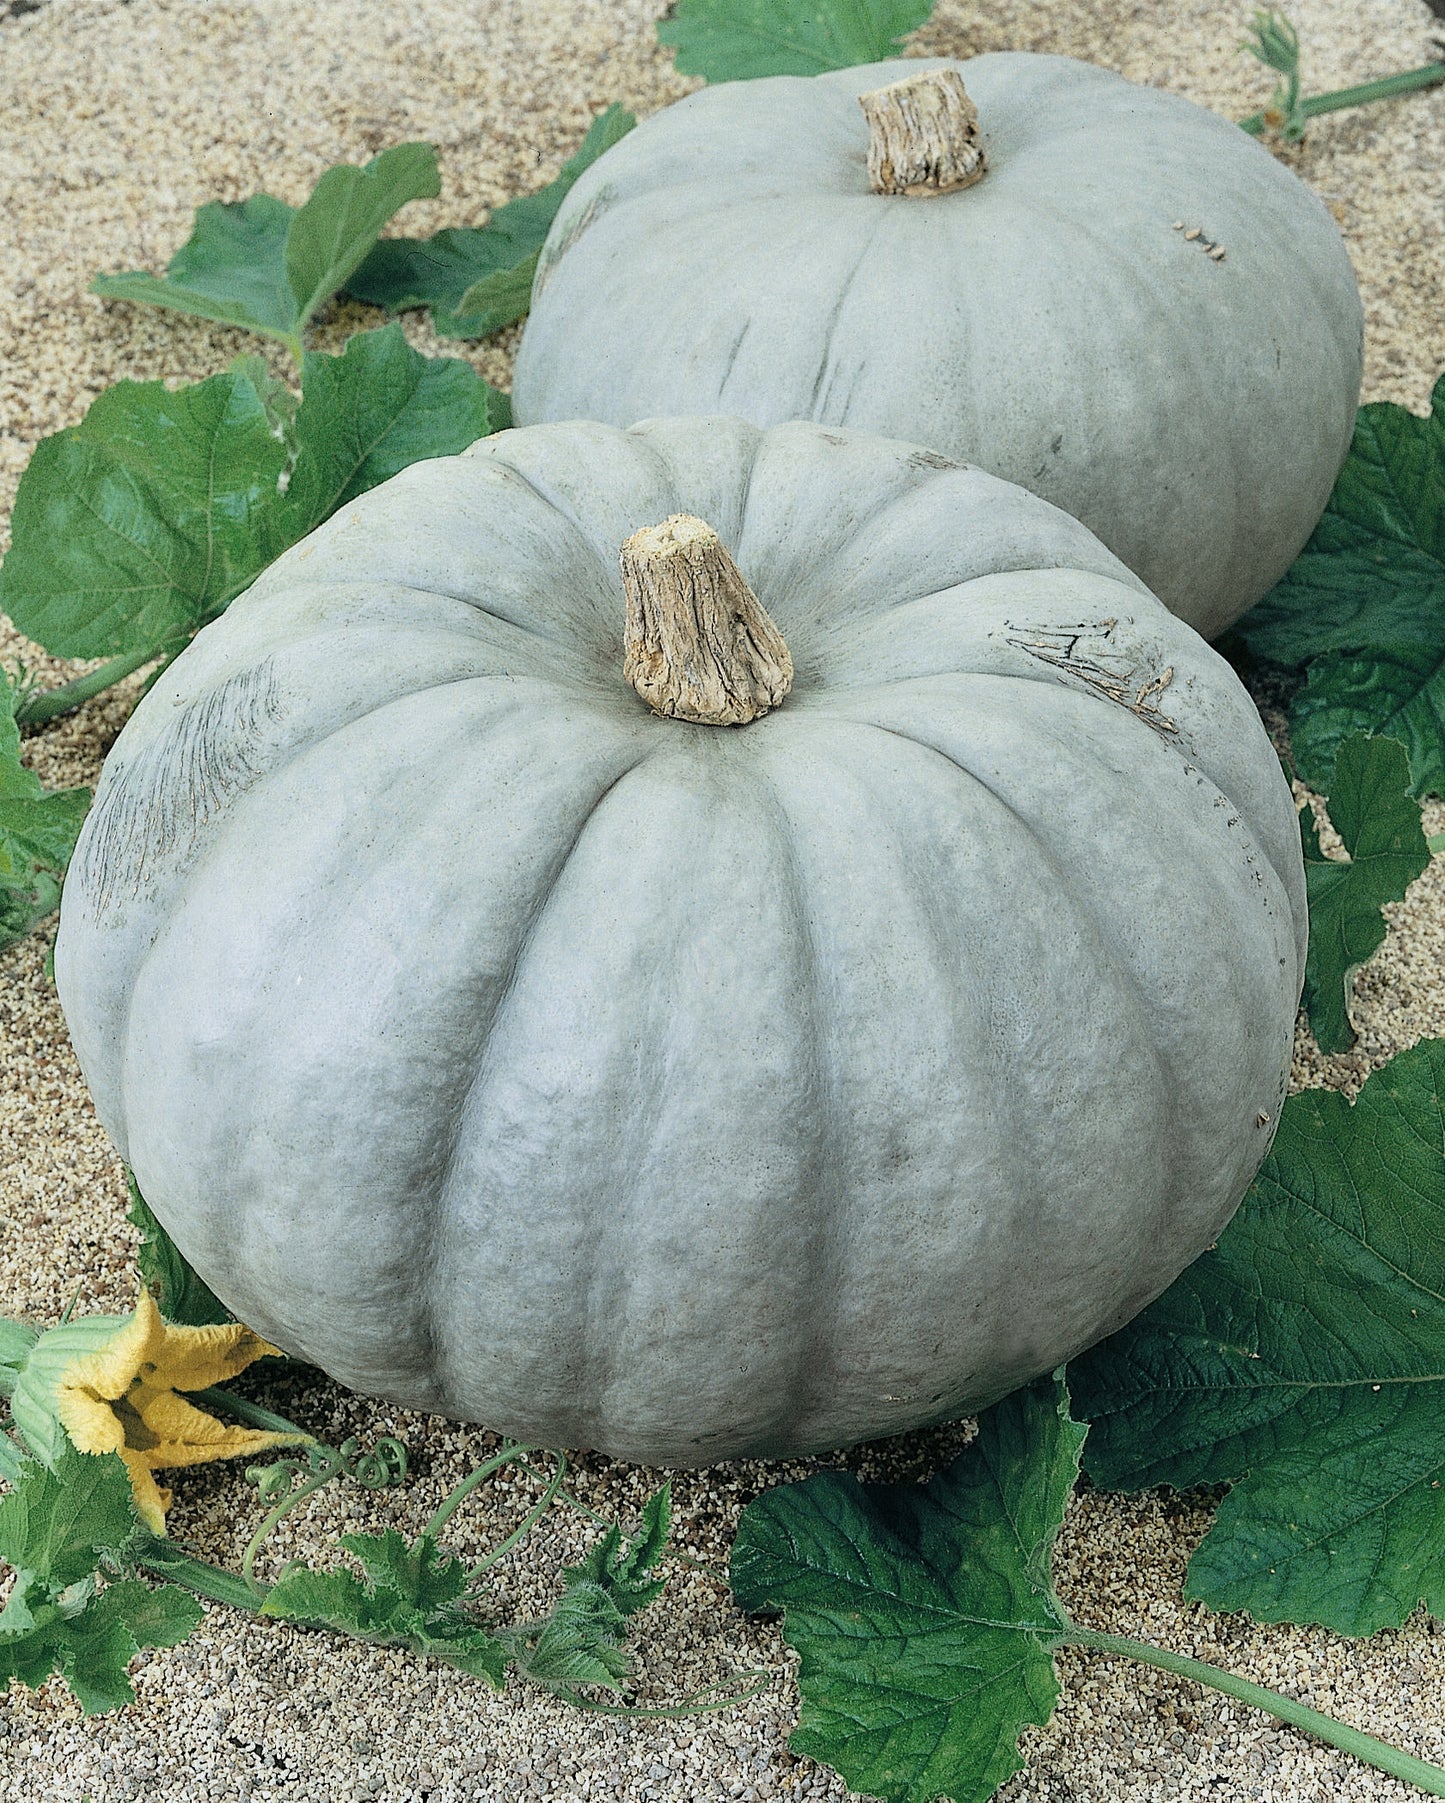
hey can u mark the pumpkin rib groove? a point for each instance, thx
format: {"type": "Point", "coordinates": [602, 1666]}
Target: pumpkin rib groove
{"type": "Point", "coordinates": [1106, 941]}
{"type": "Point", "coordinates": [302, 746]}
{"type": "Point", "coordinates": [218, 848]}
{"type": "Point", "coordinates": [442, 1215]}
{"type": "Point", "coordinates": [1105, 936]}
{"type": "Point", "coordinates": [628, 1249]}
{"type": "Point", "coordinates": [969, 1002]}
{"type": "Point", "coordinates": [745, 498]}
{"type": "Point", "coordinates": [1185, 348]}
{"type": "Point", "coordinates": [586, 679]}
{"type": "Point", "coordinates": [816, 1357]}
{"type": "Point", "coordinates": [1052, 692]}
{"type": "Point", "coordinates": [470, 602]}
{"type": "Point", "coordinates": [827, 361]}
{"type": "Point", "coordinates": [557, 502]}
{"type": "Point", "coordinates": [552, 503]}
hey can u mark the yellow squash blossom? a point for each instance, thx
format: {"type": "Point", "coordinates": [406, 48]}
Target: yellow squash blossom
{"type": "Point", "coordinates": [108, 1383]}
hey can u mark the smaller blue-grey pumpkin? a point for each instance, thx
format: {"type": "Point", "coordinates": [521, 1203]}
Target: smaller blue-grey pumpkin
{"type": "Point", "coordinates": [687, 1090]}
{"type": "Point", "coordinates": [1100, 291]}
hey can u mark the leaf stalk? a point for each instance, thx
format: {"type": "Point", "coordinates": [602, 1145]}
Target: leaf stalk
{"type": "Point", "coordinates": [39, 705]}
{"type": "Point", "coordinates": [1378, 1753]}
{"type": "Point", "coordinates": [1389, 87]}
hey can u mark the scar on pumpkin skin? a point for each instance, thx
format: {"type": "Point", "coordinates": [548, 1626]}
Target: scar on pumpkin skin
{"type": "Point", "coordinates": [150, 815]}
{"type": "Point", "coordinates": [1058, 646]}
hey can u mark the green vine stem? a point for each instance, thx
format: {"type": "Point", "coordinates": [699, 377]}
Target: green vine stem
{"type": "Point", "coordinates": [528, 1522]}
{"type": "Point", "coordinates": [372, 1470]}
{"type": "Point", "coordinates": [39, 705]}
{"type": "Point", "coordinates": [1274, 41]}
{"type": "Point", "coordinates": [163, 1559]}
{"type": "Point", "coordinates": [251, 1413]}
{"type": "Point", "coordinates": [1378, 1753]}
{"type": "Point", "coordinates": [454, 1498]}
{"type": "Point", "coordinates": [1411, 81]}
{"type": "Point", "coordinates": [573, 1501]}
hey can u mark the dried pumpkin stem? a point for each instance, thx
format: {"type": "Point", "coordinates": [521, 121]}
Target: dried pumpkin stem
{"type": "Point", "coordinates": [698, 644]}
{"type": "Point", "coordinates": [923, 135]}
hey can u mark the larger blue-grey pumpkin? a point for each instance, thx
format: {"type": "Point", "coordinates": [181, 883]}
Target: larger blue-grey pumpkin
{"type": "Point", "coordinates": [1134, 311]}
{"type": "Point", "coordinates": [512, 1051]}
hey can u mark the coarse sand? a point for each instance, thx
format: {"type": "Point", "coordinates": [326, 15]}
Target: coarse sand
{"type": "Point", "coordinates": [118, 120]}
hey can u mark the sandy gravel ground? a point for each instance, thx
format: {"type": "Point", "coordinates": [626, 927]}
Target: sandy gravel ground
{"type": "Point", "coordinates": [115, 122]}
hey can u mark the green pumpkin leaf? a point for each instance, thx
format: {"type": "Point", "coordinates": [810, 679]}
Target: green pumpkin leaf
{"type": "Point", "coordinates": [16, 1339]}
{"type": "Point", "coordinates": [332, 235]}
{"type": "Point", "coordinates": [925, 1617]}
{"type": "Point", "coordinates": [268, 267]}
{"type": "Point", "coordinates": [736, 40]}
{"type": "Point", "coordinates": [581, 1641]}
{"type": "Point", "coordinates": [147, 519]}
{"type": "Point", "coordinates": [625, 1574]}
{"type": "Point", "coordinates": [38, 830]}
{"type": "Point", "coordinates": [57, 1522]}
{"type": "Point", "coordinates": [179, 1294]}
{"type": "Point", "coordinates": [1373, 573]}
{"type": "Point", "coordinates": [497, 299]}
{"type": "Point", "coordinates": [143, 521]}
{"type": "Point", "coordinates": [411, 1595]}
{"type": "Point", "coordinates": [55, 1527]}
{"type": "Point", "coordinates": [499, 258]}
{"type": "Point", "coordinates": [369, 413]}
{"type": "Point", "coordinates": [1303, 1361]}
{"type": "Point", "coordinates": [93, 1648]}
{"type": "Point", "coordinates": [1396, 691]}
{"type": "Point", "coordinates": [232, 269]}
{"type": "Point", "coordinates": [417, 1573]}
{"type": "Point", "coordinates": [1371, 809]}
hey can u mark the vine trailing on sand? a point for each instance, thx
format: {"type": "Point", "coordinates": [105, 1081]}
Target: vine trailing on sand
{"type": "Point", "coordinates": [82, 1527]}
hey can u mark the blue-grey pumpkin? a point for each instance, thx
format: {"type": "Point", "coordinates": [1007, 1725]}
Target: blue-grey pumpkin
{"type": "Point", "coordinates": [1134, 311]}
{"type": "Point", "coordinates": [513, 1051]}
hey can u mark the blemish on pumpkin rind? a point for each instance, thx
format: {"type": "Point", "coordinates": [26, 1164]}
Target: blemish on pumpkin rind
{"type": "Point", "coordinates": [554, 253]}
{"type": "Point", "coordinates": [934, 460]}
{"type": "Point", "coordinates": [1107, 673]}
{"type": "Point", "coordinates": [152, 813]}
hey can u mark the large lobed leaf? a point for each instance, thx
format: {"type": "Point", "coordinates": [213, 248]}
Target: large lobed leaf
{"type": "Point", "coordinates": [1372, 811]}
{"type": "Point", "coordinates": [133, 527]}
{"type": "Point", "coordinates": [55, 1528]}
{"type": "Point", "coordinates": [371, 412]}
{"type": "Point", "coordinates": [137, 526]}
{"type": "Point", "coordinates": [477, 279]}
{"type": "Point", "coordinates": [1303, 1361]}
{"type": "Point", "coordinates": [925, 1617]}
{"type": "Point", "coordinates": [268, 267]}
{"type": "Point", "coordinates": [737, 40]}
{"type": "Point", "coordinates": [1394, 690]}
{"type": "Point", "coordinates": [1366, 600]}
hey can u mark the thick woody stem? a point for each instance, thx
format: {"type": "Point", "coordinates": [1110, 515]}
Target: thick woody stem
{"type": "Point", "coordinates": [923, 135]}
{"type": "Point", "coordinates": [698, 644]}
